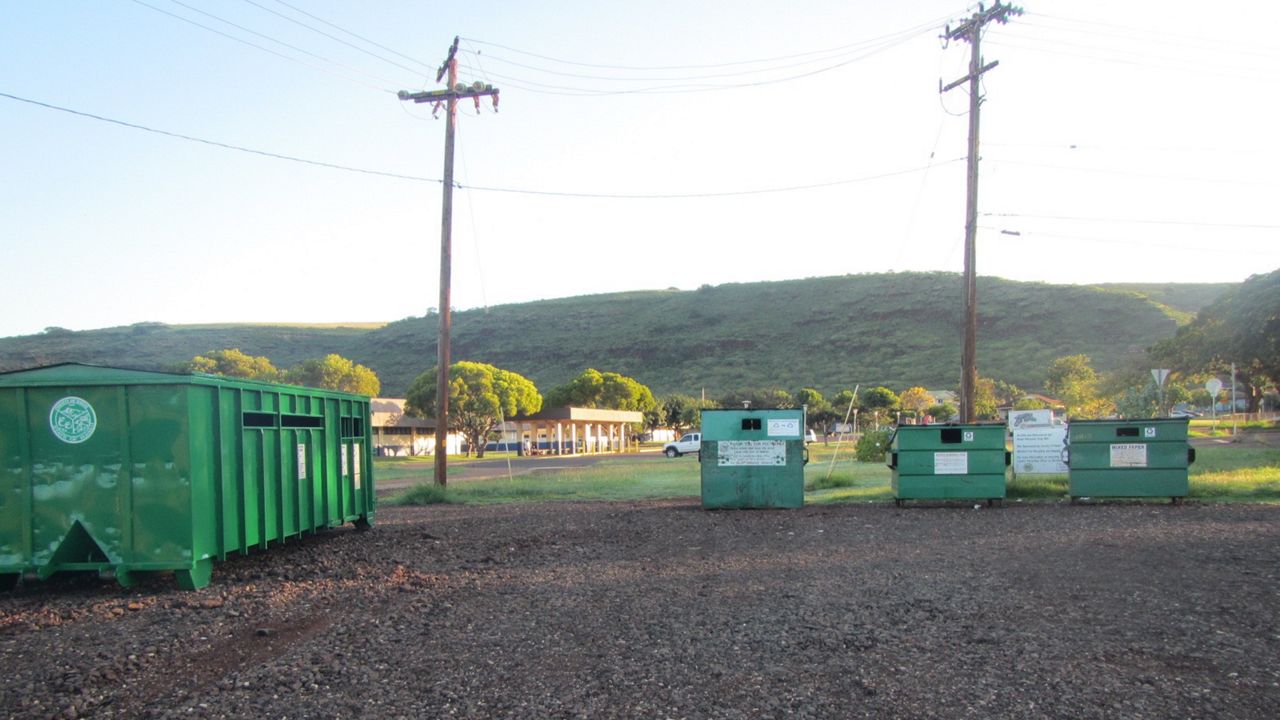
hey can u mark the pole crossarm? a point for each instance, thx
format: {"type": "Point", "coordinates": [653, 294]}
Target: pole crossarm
{"type": "Point", "coordinates": [461, 92]}
{"type": "Point", "coordinates": [999, 13]}
{"type": "Point", "coordinates": [967, 78]}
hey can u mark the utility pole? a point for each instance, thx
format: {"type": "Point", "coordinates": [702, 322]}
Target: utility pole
{"type": "Point", "coordinates": [971, 32]}
{"type": "Point", "coordinates": [449, 98]}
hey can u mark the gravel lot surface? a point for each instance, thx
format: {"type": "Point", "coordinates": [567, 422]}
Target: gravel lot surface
{"type": "Point", "coordinates": [658, 609]}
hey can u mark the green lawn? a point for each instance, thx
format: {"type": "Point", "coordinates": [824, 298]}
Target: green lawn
{"type": "Point", "coordinates": [1219, 475]}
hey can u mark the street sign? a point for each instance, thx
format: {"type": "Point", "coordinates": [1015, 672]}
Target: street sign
{"type": "Point", "coordinates": [1160, 375]}
{"type": "Point", "coordinates": [1214, 386]}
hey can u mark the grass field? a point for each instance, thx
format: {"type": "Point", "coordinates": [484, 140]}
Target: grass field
{"type": "Point", "coordinates": [1219, 475]}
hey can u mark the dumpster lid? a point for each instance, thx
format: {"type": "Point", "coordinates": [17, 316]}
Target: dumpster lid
{"type": "Point", "coordinates": [72, 373]}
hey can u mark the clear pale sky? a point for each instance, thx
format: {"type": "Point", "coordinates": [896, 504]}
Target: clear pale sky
{"type": "Point", "coordinates": [1122, 141]}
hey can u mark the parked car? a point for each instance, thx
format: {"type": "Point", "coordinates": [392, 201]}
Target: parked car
{"type": "Point", "coordinates": [1184, 414]}
{"type": "Point", "coordinates": [688, 443]}
{"type": "Point", "coordinates": [810, 436]}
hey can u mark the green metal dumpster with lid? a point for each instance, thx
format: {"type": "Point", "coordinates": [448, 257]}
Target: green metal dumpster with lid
{"type": "Point", "coordinates": [125, 471]}
{"type": "Point", "coordinates": [948, 462]}
{"type": "Point", "coordinates": [753, 458]}
{"type": "Point", "coordinates": [1129, 458]}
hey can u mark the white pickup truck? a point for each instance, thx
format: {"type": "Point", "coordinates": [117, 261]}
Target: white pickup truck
{"type": "Point", "coordinates": [688, 443]}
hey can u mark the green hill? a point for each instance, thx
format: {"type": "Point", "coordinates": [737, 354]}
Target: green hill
{"type": "Point", "coordinates": [896, 329]}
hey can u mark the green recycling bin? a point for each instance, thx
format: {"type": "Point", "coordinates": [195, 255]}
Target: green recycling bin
{"type": "Point", "coordinates": [948, 462]}
{"type": "Point", "coordinates": [753, 459]}
{"type": "Point", "coordinates": [1129, 458]}
{"type": "Point", "coordinates": [125, 471]}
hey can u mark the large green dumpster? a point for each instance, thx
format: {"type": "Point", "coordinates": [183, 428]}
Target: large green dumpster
{"type": "Point", "coordinates": [753, 459]}
{"type": "Point", "coordinates": [123, 471]}
{"type": "Point", "coordinates": [948, 462]}
{"type": "Point", "coordinates": [1128, 458]}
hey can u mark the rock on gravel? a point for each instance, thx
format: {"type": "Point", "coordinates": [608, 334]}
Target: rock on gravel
{"type": "Point", "coordinates": [659, 609]}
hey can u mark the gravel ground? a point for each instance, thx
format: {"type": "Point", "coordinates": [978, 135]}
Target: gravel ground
{"type": "Point", "coordinates": [658, 609]}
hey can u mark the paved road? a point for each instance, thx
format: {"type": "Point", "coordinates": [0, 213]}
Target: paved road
{"type": "Point", "coordinates": [486, 469]}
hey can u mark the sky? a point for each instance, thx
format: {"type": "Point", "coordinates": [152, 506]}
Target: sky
{"type": "Point", "coordinates": [637, 146]}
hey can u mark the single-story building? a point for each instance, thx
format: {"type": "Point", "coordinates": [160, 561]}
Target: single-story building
{"type": "Point", "coordinates": [562, 431]}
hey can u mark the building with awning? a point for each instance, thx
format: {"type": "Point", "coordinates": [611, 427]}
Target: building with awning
{"type": "Point", "coordinates": [572, 430]}
{"type": "Point", "coordinates": [563, 431]}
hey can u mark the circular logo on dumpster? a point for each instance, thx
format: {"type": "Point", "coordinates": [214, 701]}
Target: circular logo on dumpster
{"type": "Point", "coordinates": [72, 420]}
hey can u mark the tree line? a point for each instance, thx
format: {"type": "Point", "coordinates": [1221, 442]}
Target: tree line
{"type": "Point", "coordinates": [1241, 327]}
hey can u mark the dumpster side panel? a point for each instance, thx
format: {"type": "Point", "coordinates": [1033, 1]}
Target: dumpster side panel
{"type": "Point", "coordinates": [80, 480]}
{"type": "Point", "coordinates": [15, 484]}
{"type": "Point", "coordinates": [159, 448]}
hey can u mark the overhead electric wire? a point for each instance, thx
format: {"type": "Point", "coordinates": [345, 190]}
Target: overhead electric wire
{"type": "Point", "coordinates": [1136, 221]}
{"type": "Point", "coordinates": [521, 191]}
{"type": "Point", "coordinates": [339, 28]}
{"type": "Point", "coordinates": [215, 143]}
{"type": "Point", "coordinates": [1095, 239]}
{"type": "Point", "coordinates": [299, 23]}
{"type": "Point", "coordinates": [1129, 173]}
{"type": "Point", "coordinates": [523, 83]}
{"type": "Point", "coordinates": [281, 55]}
{"type": "Point", "coordinates": [1139, 33]}
{"type": "Point", "coordinates": [912, 30]}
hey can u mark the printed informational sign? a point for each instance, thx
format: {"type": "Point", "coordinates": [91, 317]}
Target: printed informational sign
{"type": "Point", "coordinates": [1030, 418]}
{"type": "Point", "coordinates": [355, 447]}
{"type": "Point", "coordinates": [72, 420]}
{"type": "Point", "coordinates": [1149, 432]}
{"type": "Point", "coordinates": [740, 453]}
{"type": "Point", "coordinates": [1129, 455]}
{"type": "Point", "coordinates": [951, 463]}
{"type": "Point", "coordinates": [1038, 450]}
{"type": "Point", "coordinates": [343, 467]}
{"type": "Point", "coordinates": [302, 461]}
{"type": "Point", "coordinates": [784, 428]}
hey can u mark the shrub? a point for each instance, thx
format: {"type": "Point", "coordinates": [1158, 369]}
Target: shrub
{"type": "Point", "coordinates": [872, 445]}
{"type": "Point", "coordinates": [426, 493]}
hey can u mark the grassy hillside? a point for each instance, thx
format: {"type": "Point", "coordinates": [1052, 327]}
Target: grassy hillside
{"type": "Point", "coordinates": [1183, 301]}
{"type": "Point", "coordinates": [894, 329]}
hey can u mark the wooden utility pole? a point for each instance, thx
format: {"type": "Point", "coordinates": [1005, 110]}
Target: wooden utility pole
{"type": "Point", "coordinates": [971, 32]}
{"type": "Point", "coordinates": [448, 97]}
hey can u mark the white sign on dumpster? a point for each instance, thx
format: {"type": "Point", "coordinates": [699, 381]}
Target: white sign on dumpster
{"type": "Point", "coordinates": [740, 453]}
{"type": "Point", "coordinates": [1038, 450]}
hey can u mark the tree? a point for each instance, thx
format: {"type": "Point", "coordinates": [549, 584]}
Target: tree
{"type": "Point", "coordinates": [334, 372]}
{"type": "Point", "coordinates": [480, 397]}
{"type": "Point", "coordinates": [878, 400]}
{"type": "Point", "coordinates": [1007, 393]}
{"type": "Point", "coordinates": [683, 412]}
{"type": "Point", "coordinates": [819, 412]}
{"type": "Point", "coordinates": [1243, 327]}
{"type": "Point", "coordinates": [916, 400]}
{"type": "Point", "coordinates": [609, 390]}
{"type": "Point", "coordinates": [234, 363]}
{"type": "Point", "coordinates": [986, 405]}
{"type": "Point", "coordinates": [942, 411]}
{"type": "Point", "coordinates": [1073, 381]}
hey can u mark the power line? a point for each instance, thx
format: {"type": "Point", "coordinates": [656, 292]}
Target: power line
{"type": "Point", "coordinates": [339, 28]}
{"type": "Point", "coordinates": [521, 191]}
{"type": "Point", "coordinates": [299, 23]}
{"type": "Point", "coordinates": [648, 68]}
{"type": "Point", "coordinates": [728, 193]}
{"type": "Point", "coordinates": [269, 50]}
{"type": "Point", "coordinates": [215, 143]}
{"type": "Point", "coordinates": [1129, 173]}
{"type": "Point", "coordinates": [684, 88]}
{"type": "Point", "coordinates": [1137, 221]}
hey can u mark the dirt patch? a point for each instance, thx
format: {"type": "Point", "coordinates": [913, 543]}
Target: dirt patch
{"type": "Point", "coordinates": [655, 609]}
